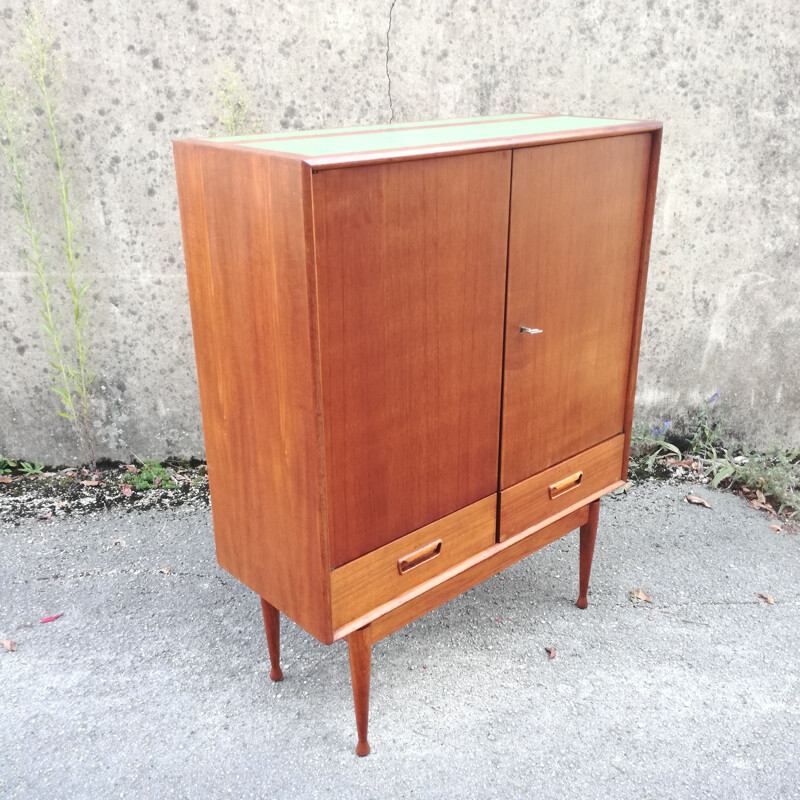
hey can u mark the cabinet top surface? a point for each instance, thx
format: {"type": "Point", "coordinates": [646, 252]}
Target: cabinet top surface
{"type": "Point", "coordinates": [407, 140]}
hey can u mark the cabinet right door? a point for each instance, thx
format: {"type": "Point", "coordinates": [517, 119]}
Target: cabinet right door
{"type": "Point", "coordinates": [577, 215]}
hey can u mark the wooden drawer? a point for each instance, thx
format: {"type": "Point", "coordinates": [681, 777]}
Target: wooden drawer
{"type": "Point", "coordinates": [593, 472]}
{"type": "Point", "coordinates": [388, 572]}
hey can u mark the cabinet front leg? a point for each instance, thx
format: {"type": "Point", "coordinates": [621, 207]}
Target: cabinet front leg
{"type": "Point", "coordinates": [588, 535]}
{"type": "Point", "coordinates": [359, 645]}
{"type": "Point", "coordinates": [272, 625]}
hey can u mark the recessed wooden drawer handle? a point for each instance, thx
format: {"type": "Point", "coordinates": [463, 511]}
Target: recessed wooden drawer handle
{"type": "Point", "coordinates": [565, 485]}
{"type": "Point", "coordinates": [420, 556]}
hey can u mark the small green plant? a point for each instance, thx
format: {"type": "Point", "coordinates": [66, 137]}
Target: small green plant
{"type": "Point", "coordinates": [707, 438]}
{"type": "Point", "coordinates": [25, 467]}
{"type": "Point", "coordinates": [30, 469]}
{"type": "Point", "coordinates": [6, 466]}
{"type": "Point", "coordinates": [70, 373]}
{"type": "Point", "coordinates": [776, 475]}
{"type": "Point", "coordinates": [231, 104]}
{"type": "Point", "coordinates": [152, 475]}
{"type": "Point", "coordinates": [656, 438]}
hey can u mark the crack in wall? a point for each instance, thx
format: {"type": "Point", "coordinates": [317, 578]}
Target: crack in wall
{"type": "Point", "coordinates": [388, 76]}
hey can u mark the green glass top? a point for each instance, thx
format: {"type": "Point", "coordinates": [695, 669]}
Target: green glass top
{"type": "Point", "coordinates": [413, 135]}
{"type": "Point", "coordinates": [366, 128]}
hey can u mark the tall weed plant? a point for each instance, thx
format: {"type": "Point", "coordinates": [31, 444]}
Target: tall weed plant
{"type": "Point", "coordinates": [68, 356]}
{"type": "Point", "coordinates": [231, 104]}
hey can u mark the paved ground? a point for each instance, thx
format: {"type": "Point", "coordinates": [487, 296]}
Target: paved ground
{"type": "Point", "coordinates": [155, 685]}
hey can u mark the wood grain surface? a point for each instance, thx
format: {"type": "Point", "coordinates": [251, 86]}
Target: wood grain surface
{"type": "Point", "coordinates": [644, 258]}
{"type": "Point", "coordinates": [272, 627]}
{"type": "Point", "coordinates": [588, 537]}
{"type": "Point", "coordinates": [359, 645]}
{"type": "Point", "coordinates": [248, 247]}
{"type": "Point", "coordinates": [374, 579]}
{"type": "Point", "coordinates": [349, 334]}
{"type": "Point", "coordinates": [393, 616]}
{"type": "Point", "coordinates": [577, 214]}
{"type": "Point", "coordinates": [530, 502]}
{"type": "Point", "coordinates": [411, 279]}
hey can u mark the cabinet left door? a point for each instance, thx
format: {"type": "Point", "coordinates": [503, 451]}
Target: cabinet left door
{"type": "Point", "coordinates": [410, 268]}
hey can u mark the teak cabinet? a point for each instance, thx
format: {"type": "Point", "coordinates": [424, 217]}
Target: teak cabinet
{"type": "Point", "coordinates": [416, 350]}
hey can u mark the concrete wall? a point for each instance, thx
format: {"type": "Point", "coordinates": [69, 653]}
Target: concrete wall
{"type": "Point", "coordinates": [724, 292]}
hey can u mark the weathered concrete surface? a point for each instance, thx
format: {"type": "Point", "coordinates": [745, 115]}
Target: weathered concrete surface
{"type": "Point", "coordinates": [724, 291]}
{"type": "Point", "coordinates": [156, 685]}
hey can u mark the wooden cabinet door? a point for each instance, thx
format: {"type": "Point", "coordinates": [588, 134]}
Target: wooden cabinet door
{"type": "Point", "coordinates": [577, 214]}
{"type": "Point", "coordinates": [411, 261]}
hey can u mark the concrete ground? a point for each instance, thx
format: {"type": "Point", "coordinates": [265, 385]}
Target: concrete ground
{"type": "Point", "coordinates": [155, 685]}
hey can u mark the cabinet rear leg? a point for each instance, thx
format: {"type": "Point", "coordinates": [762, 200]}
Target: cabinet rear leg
{"type": "Point", "coordinates": [359, 645]}
{"type": "Point", "coordinates": [272, 625]}
{"type": "Point", "coordinates": [588, 535]}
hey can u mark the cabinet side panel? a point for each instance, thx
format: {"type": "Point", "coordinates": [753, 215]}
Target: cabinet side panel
{"type": "Point", "coordinates": [411, 275]}
{"type": "Point", "coordinates": [644, 259]}
{"type": "Point", "coordinates": [247, 242]}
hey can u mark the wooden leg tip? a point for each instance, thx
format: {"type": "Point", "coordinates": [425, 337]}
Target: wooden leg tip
{"type": "Point", "coordinates": [276, 674]}
{"type": "Point", "coordinates": [582, 602]}
{"type": "Point", "coordinates": [362, 749]}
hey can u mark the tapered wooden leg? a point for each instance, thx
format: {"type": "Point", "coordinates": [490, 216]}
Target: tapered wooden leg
{"type": "Point", "coordinates": [359, 645]}
{"type": "Point", "coordinates": [272, 625]}
{"type": "Point", "coordinates": [588, 535]}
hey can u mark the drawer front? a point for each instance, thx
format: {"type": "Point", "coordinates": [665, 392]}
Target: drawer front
{"type": "Point", "coordinates": [594, 471]}
{"type": "Point", "coordinates": [387, 573]}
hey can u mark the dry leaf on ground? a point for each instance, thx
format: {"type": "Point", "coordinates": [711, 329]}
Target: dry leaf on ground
{"type": "Point", "coordinates": [757, 504]}
{"type": "Point", "coordinates": [551, 652]}
{"type": "Point", "coordinates": [680, 462]}
{"type": "Point", "coordinates": [776, 527]}
{"type": "Point", "coordinates": [8, 644]}
{"type": "Point", "coordinates": [770, 600]}
{"type": "Point", "coordinates": [696, 501]}
{"type": "Point", "coordinates": [126, 490]}
{"type": "Point", "coordinates": [639, 594]}
{"type": "Point", "coordinates": [5, 479]}
{"type": "Point", "coordinates": [91, 483]}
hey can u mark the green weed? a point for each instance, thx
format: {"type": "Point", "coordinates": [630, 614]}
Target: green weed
{"type": "Point", "coordinates": [71, 376]}
{"type": "Point", "coordinates": [30, 469]}
{"type": "Point", "coordinates": [231, 104]}
{"type": "Point", "coordinates": [152, 475]}
{"type": "Point", "coordinates": [25, 467]}
{"type": "Point", "coordinates": [6, 466]}
{"type": "Point", "coordinates": [771, 480]}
